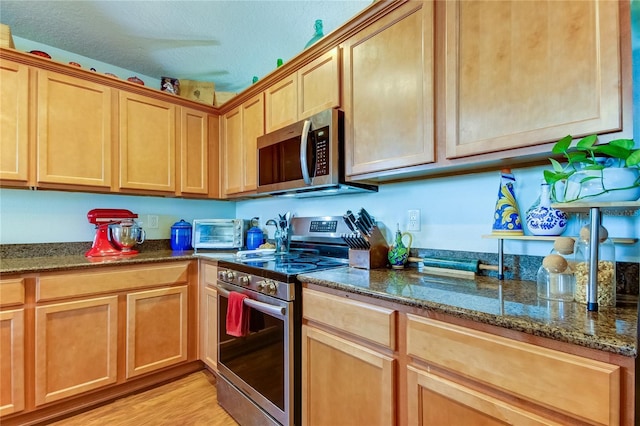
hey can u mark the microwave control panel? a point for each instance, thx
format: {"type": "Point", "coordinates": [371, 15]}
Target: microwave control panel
{"type": "Point", "coordinates": [322, 151]}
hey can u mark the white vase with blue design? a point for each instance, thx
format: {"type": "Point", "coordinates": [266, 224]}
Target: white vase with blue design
{"type": "Point", "coordinates": [544, 220]}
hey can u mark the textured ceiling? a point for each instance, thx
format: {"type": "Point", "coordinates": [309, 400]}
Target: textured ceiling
{"type": "Point", "coordinates": [224, 41]}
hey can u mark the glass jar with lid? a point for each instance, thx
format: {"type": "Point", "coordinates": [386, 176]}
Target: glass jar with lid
{"type": "Point", "coordinates": [555, 280]}
{"type": "Point", "coordinates": [606, 275]}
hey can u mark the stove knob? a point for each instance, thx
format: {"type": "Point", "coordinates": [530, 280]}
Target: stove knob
{"type": "Point", "coordinates": [261, 285]}
{"type": "Point", "coordinates": [243, 280]}
{"type": "Point", "coordinates": [272, 288]}
{"type": "Point", "coordinates": [231, 275]}
{"type": "Point", "coordinates": [222, 275]}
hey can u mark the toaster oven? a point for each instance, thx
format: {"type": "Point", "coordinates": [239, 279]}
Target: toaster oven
{"type": "Point", "coordinates": [218, 233]}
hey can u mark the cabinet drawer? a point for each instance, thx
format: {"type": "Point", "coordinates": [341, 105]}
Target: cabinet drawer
{"type": "Point", "coordinates": [58, 286]}
{"type": "Point", "coordinates": [581, 388]}
{"type": "Point", "coordinates": [367, 321]}
{"type": "Point", "coordinates": [209, 273]}
{"type": "Point", "coordinates": [12, 292]}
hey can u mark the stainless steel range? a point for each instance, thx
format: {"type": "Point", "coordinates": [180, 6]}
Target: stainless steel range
{"type": "Point", "coordinates": [260, 371]}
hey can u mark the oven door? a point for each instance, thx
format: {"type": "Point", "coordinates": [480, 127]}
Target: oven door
{"type": "Point", "coordinates": [260, 364]}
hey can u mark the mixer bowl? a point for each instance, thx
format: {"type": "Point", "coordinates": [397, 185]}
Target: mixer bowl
{"type": "Point", "coordinates": [125, 235]}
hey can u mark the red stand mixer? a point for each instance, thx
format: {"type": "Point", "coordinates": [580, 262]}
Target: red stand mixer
{"type": "Point", "coordinates": [116, 232]}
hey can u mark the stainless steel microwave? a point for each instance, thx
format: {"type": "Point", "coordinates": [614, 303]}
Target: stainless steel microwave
{"type": "Point", "coordinates": [218, 233]}
{"type": "Point", "coordinates": [306, 159]}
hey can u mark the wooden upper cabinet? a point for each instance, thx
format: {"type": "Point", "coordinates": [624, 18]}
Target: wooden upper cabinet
{"type": "Point", "coordinates": [147, 143]}
{"type": "Point", "coordinates": [241, 128]}
{"type": "Point", "coordinates": [319, 84]}
{"type": "Point", "coordinates": [194, 151]}
{"type": "Point", "coordinates": [14, 130]}
{"type": "Point", "coordinates": [74, 136]}
{"type": "Point", "coordinates": [522, 73]}
{"type": "Point", "coordinates": [313, 88]}
{"type": "Point", "coordinates": [281, 103]}
{"type": "Point", "coordinates": [388, 92]}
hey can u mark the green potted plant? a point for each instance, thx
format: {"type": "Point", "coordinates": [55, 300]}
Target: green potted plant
{"type": "Point", "coordinates": [606, 172]}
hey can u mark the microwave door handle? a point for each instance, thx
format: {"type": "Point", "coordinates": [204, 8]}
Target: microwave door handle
{"type": "Point", "coordinates": [304, 139]}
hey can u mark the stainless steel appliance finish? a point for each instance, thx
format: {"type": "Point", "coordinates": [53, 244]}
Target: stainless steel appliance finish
{"type": "Point", "coordinates": [218, 233]}
{"type": "Point", "coordinates": [306, 159]}
{"type": "Point", "coordinates": [260, 373]}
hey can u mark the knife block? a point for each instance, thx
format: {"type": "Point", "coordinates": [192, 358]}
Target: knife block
{"type": "Point", "coordinates": [373, 258]}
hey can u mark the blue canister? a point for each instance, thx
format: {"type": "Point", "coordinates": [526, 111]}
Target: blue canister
{"type": "Point", "coordinates": [181, 236]}
{"type": "Point", "coordinates": [255, 237]}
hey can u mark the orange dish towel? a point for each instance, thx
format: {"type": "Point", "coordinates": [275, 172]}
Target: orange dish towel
{"type": "Point", "coordinates": [237, 315]}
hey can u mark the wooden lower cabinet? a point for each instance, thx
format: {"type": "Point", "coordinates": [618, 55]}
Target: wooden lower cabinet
{"type": "Point", "coordinates": [11, 361]}
{"type": "Point", "coordinates": [544, 379]}
{"type": "Point", "coordinates": [12, 346]}
{"type": "Point", "coordinates": [348, 362]}
{"type": "Point", "coordinates": [344, 382]}
{"type": "Point", "coordinates": [387, 363]}
{"type": "Point", "coordinates": [76, 347]}
{"type": "Point", "coordinates": [433, 400]}
{"type": "Point", "coordinates": [208, 315]}
{"type": "Point", "coordinates": [156, 329]}
{"type": "Point", "coordinates": [73, 339]}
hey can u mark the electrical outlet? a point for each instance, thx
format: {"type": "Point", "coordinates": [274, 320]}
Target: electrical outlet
{"type": "Point", "coordinates": [152, 221]}
{"type": "Point", "coordinates": [414, 220]}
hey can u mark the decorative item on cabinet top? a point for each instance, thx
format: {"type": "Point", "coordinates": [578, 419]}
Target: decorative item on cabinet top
{"type": "Point", "coordinates": [606, 172]}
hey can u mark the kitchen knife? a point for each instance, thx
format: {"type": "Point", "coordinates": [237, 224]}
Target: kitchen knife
{"type": "Point", "coordinates": [362, 227]}
{"type": "Point", "coordinates": [368, 220]}
{"type": "Point", "coordinates": [348, 221]}
{"type": "Point", "coordinates": [352, 219]}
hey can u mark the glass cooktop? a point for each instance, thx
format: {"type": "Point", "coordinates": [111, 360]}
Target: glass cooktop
{"type": "Point", "coordinates": [295, 263]}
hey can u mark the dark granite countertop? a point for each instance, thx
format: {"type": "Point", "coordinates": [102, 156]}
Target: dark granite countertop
{"type": "Point", "coordinates": [22, 265]}
{"type": "Point", "coordinates": [510, 304]}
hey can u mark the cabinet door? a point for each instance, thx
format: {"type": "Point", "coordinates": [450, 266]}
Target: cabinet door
{"type": "Point", "coordinates": [520, 73]}
{"type": "Point", "coordinates": [74, 131]}
{"type": "Point", "coordinates": [11, 361]}
{"type": "Point", "coordinates": [281, 103]}
{"type": "Point", "coordinates": [345, 383]}
{"type": "Point", "coordinates": [209, 354]}
{"type": "Point", "coordinates": [319, 84]}
{"type": "Point", "coordinates": [233, 168]}
{"type": "Point", "coordinates": [252, 128]}
{"type": "Point", "coordinates": [388, 92]}
{"type": "Point", "coordinates": [76, 347]}
{"type": "Point", "coordinates": [433, 400]}
{"type": "Point", "coordinates": [14, 121]}
{"type": "Point", "coordinates": [194, 151]}
{"type": "Point", "coordinates": [147, 143]}
{"type": "Point", "coordinates": [156, 329]}
{"type": "Point", "coordinates": [242, 127]}
{"type": "Point", "coordinates": [208, 314]}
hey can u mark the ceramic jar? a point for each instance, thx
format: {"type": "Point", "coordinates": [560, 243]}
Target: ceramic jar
{"type": "Point", "coordinates": [544, 220]}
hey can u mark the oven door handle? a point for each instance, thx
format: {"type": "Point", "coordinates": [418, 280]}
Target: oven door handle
{"type": "Point", "coordinates": [304, 140]}
{"type": "Point", "coordinates": [265, 308]}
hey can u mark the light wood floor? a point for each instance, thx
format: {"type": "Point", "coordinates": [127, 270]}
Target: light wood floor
{"type": "Point", "coordinates": [190, 401]}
